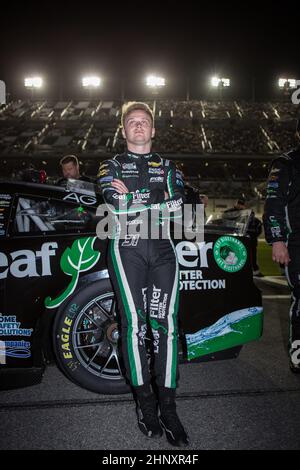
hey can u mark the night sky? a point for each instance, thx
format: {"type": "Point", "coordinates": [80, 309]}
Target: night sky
{"type": "Point", "coordinates": [63, 40]}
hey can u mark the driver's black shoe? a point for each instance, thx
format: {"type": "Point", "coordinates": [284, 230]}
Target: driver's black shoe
{"type": "Point", "coordinates": [169, 420]}
{"type": "Point", "coordinates": [175, 432]}
{"type": "Point", "coordinates": [148, 421]}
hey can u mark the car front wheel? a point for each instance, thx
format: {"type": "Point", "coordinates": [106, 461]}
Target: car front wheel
{"type": "Point", "coordinates": [86, 340]}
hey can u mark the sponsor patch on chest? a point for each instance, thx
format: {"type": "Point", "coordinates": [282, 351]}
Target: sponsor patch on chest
{"type": "Point", "coordinates": [156, 171]}
{"type": "Point", "coordinates": [156, 179]}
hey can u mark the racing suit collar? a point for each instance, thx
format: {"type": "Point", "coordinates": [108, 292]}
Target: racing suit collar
{"type": "Point", "coordinates": [138, 155]}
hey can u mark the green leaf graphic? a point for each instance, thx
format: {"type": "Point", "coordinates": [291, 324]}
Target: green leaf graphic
{"type": "Point", "coordinates": [75, 260]}
{"type": "Point", "coordinates": [155, 326]}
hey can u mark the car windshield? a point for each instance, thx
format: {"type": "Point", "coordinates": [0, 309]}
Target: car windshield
{"type": "Point", "coordinates": [49, 216]}
{"type": "Point", "coordinates": [81, 187]}
{"type": "Point", "coordinates": [233, 222]}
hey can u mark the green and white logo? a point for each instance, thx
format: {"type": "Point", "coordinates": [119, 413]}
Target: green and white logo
{"type": "Point", "coordinates": [230, 254]}
{"type": "Point", "coordinates": [79, 258]}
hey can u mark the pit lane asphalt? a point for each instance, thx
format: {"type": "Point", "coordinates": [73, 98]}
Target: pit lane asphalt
{"type": "Point", "coordinates": [252, 402]}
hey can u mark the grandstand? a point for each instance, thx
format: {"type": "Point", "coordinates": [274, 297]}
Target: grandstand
{"type": "Point", "coordinates": [228, 145]}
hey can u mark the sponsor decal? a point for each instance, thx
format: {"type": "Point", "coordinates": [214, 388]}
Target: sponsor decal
{"type": "Point", "coordinates": [155, 326]}
{"type": "Point", "coordinates": [230, 254]}
{"type": "Point", "coordinates": [72, 310]}
{"type": "Point", "coordinates": [81, 199]}
{"type": "Point", "coordinates": [156, 179]}
{"type": "Point", "coordinates": [142, 334]}
{"type": "Point", "coordinates": [275, 227]}
{"type": "Point", "coordinates": [155, 334]}
{"type": "Point", "coordinates": [9, 326]}
{"type": "Point", "coordinates": [131, 240]}
{"type": "Point", "coordinates": [156, 171]}
{"type": "Point", "coordinates": [276, 232]}
{"type": "Point", "coordinates": [103, 172]}
{"type": "Point", "coordinates": [73, 365]}
{"type": "Point", "coordinates": [5, 197]}
{"type": "Point", "coordinates": [129, 166]}
{"type": "Point", "coordinates": [81, 257]}
{"type": "Point", "coordinates": [179, 180]}
{"type": "Point", "coordinates": [130, 172]}
{"type": "Point", "coordinates": [23, 263]}
{"type": "Point", "coordinates": [138, 196]}
{"type": "Point", "coordinates": [17, 349]}
{"type": "Point", "coordinates": [106, 179]}
{"type": "Point", "coordinates": [65, 338]}
{"type": "Point", "coordinates": [154, 164]}
{"type": "Point", "coordinates": [193, 280]}
{"type": "Point", "coordinates": [5, 202]}
{"type": "Point", "coordinates": [180, 183]}
{"type": "Point", "coordinates": [174, 205]}
{"type": "Point", "coordinates": [120, 196]}
{"type": "Point", "coordinates": [271, 194]}
{"type": "Point", "coordinates": [157, 306]}
{"type": "Point", "coordinates": [193, 255]}
{"type": "Point", "coordinates": [231, 330]}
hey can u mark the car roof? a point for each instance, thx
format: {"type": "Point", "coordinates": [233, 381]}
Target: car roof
{"type": "Point", "coordinates": [48, 190]}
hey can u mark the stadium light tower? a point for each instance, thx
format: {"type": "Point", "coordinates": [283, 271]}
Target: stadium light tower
{"type": "Point", "coordinates": [33, 83]}
{"type": "Point", "coordinates": [155, 83]}
{"type": "Point", "coordinates": [217, 82]}
{"type": "Point", "coordinates": [220, 83]}
{"type": "Point", "coordinates": [285, 83]}
{"type": "Point", "coordinates": [91, 83]}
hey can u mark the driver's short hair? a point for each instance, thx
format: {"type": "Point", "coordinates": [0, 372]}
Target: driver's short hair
{"type": "Point", "coordinates": [133, 106]}
{"type": "Point", "coordinates": [68, 159]}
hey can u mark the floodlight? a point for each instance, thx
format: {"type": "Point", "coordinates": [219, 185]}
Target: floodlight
{"type": "Point", "coordinates": [155, 82]}
{"type": "Point", "coordinates": [91, 81]}
{"type": "Point", "coordinates": [216, 82]}
{"type": "Point", "coordinates": [33, 82]}
{"type": "Point", "coordinates": [287, 82]}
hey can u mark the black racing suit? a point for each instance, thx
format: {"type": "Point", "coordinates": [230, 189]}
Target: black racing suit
{"type": "Point", "coordinates": [144, 271]}
{"type": "Point", "coordinates": [282, 223]}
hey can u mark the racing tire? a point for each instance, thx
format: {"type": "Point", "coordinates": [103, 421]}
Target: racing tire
{"type": "Point", "coordinates": [86, 340]}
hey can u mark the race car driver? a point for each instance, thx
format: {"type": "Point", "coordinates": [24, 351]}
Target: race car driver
{"type": "Point", "coordinates": [144, 271]}
{"type": "Point", "coordinates": [282, 230]}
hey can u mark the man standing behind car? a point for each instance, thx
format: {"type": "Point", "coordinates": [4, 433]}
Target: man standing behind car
{"type": "Point", "coordinates": [282, 231]}
{"type": "Point", "coordinates": [144, 272]}
{"type": "Point", "coordinates": [70, 169]}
